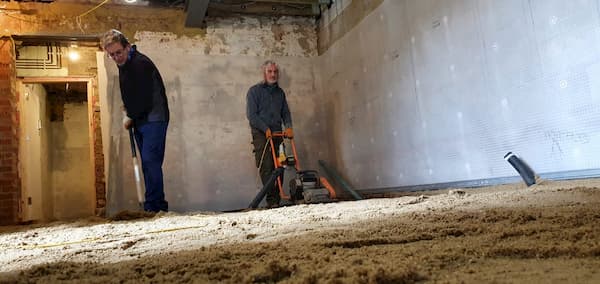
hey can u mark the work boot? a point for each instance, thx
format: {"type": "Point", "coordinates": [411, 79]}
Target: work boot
{"type": "Point", "coordinates": [274, 204]}
{"type": "Point", "coordinates": [273, 199]}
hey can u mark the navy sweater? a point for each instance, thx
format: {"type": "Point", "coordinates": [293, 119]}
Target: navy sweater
{"type": "Point", "coordinates": [142, 89]}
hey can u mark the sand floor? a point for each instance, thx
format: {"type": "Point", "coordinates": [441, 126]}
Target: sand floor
{"type": "Point", "coordinates": [503, 234]}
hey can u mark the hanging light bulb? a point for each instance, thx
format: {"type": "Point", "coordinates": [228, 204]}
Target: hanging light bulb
{"type": "Point", "coordinates": [73, 53]}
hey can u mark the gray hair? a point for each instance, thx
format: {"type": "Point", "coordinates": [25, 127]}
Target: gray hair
{"type": "Point", "coordinates": [269, 62]}
{"type": "Point", "coordinates": [113, 36]}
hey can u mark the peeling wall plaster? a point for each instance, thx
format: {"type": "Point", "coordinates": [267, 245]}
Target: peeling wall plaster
{"type": "Point", "coordinates": [286, 36]}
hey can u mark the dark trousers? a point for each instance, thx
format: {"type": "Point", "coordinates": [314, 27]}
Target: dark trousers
{"type": "Point", "coordinates": [151, 138]}
{"type": "Point", "coordinates": [268, 166]}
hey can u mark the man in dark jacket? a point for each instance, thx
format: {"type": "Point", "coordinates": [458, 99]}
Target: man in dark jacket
{"type": "Point", "coordinates": [267, 110]}
{"type": "Point", "coordinates": [145, 102]}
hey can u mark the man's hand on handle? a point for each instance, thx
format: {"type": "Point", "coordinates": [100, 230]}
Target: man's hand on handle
{"type": "Point", "coordinates": [289, 133]}
{"type": "Point", "coordinates": [127, 121]}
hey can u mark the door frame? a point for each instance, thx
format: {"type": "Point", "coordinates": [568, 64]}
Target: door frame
{"type": "Point", "coordinates": [90, 103]}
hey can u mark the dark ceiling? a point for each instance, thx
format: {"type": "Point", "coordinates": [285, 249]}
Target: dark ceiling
{"type": "Point", "coordinates": [269, 6]}
{"type": "Point", "coordinates": [223, 7]}
{"type": "Point", "coordinates": [197, 10]}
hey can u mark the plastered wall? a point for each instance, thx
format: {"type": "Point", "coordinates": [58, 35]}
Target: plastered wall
{"type": "Point", "coordinates": [209, 163]}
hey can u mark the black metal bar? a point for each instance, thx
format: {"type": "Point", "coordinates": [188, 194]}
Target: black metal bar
{"type": "Point", "coordinates": [270, 183]}
{"type": "Point", "coordinates": [132, 141]}
{"type": "Point", "coordinates": [440, 186]}
{"type": "Point", "coordinates": [563, 175]}
{"type": "Point", "coordinates": [345, 186]}
{"type": "Point", "coordinates": [195, 13]}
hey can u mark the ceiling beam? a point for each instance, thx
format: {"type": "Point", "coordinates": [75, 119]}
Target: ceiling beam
{"type": "Point", "coordinates": [304, 2]}
{"type": "Point", "coordinates": [260, 8]}
{"type": "Point", "coordinates": [195, 12]}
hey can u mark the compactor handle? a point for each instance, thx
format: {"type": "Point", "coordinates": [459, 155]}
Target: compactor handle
{"type": "Point", "coordinates": [281, 134]}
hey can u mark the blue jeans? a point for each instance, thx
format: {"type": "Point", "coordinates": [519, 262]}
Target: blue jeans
{"type": "Point", "coordinates": [151, 138]}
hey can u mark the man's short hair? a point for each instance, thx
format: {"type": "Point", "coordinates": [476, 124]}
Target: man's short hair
{"type": "Point", "coordinates": [269, 62]}
{"type": "Point", "coordinates": [113, 36]}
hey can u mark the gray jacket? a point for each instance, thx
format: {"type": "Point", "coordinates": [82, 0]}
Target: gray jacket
{"type": "Point", "coordinates": [266, 107]}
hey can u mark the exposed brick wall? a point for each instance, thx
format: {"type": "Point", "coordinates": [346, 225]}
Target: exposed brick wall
{"type": "Point", "coordinates": [98, 157]}
{"type": "Point", "coordinates": [9, 144]}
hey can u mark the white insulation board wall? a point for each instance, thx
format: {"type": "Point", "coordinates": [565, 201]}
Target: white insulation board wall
{"type": "Point", "coordinates": [431, 91]}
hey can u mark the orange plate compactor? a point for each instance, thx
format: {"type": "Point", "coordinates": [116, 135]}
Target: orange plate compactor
{"type": "Point", "coordinates": [306, 187]}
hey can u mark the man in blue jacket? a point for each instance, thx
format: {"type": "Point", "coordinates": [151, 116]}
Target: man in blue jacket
{"type": "Point", "coordinates": [267, 110]}
{"type": "Point", "coordinates": [145, 101]}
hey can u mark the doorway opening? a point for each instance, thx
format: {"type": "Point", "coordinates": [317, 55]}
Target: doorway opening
{"type": "Point", "coordinates": [57, 149]}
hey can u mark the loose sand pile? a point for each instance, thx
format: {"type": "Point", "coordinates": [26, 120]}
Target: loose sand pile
{"type": "Point", "coordinates": [547, 233]}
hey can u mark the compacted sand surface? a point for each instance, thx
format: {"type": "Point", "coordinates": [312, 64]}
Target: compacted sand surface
{"type": "Point", "coordinates": [546, 233]}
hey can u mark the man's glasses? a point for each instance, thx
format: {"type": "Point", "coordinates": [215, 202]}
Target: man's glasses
{"type": "Point", "coordinates": [118, 53]}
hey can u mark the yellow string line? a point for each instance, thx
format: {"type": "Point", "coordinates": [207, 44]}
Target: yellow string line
{"type": "Point", "coordinates": [200, 217]}
{"type": "Point", "coordinates": [89, 240]}
{"type": "Point", "coordinates": [175, 229]}
{"type": "Point", "coordinates": [60, 244]}
{"type": "Point", "coordinates": [90, 10]}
